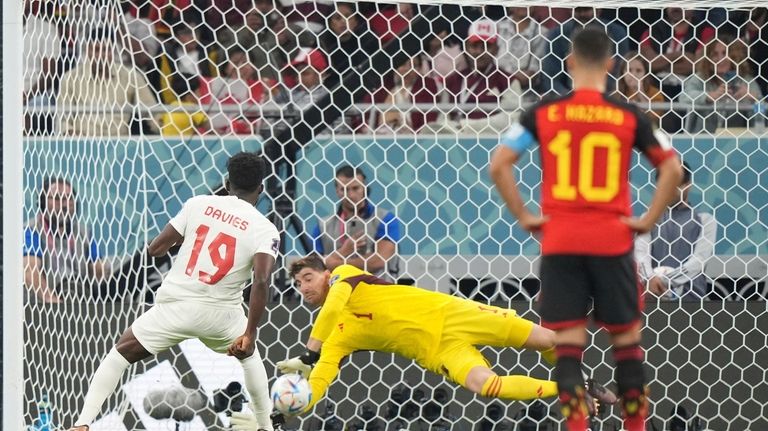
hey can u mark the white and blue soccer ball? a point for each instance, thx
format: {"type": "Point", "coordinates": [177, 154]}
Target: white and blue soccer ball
{"type": "Point", "coordinates": [291, 394]}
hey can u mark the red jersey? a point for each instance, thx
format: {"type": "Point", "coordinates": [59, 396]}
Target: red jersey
{"type": "Point", "coordinates": [586, 141]}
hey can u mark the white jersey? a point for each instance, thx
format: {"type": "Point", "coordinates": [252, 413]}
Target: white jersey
{"type": "Point", "coordinates": [221, 236]}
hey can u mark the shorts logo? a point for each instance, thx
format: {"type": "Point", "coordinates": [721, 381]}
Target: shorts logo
{"type": "Point", "coordinates": [275, 245]}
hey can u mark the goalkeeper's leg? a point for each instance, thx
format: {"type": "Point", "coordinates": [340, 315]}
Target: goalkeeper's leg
{"type": "Point", "coordinates": [465, 365]}
{"type": "Point", "coordinates": [543, 340]}
{"type": "Point", "coordinates": [482, 380]}
{"type": "Point", "coordinates": [127, 351]}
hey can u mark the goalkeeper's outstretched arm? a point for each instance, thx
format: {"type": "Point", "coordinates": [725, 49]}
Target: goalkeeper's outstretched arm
{"type": "Point", "coordinates": [320, 378]}
{"type": "Point", "coordinates": [326, 371]}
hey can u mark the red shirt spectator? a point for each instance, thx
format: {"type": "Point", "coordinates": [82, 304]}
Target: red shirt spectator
{"type": "Point", "coordinates": [406, 85]}
{"type": "Point", "coordinates": [239, 85]}
{"type": "Point", "coordinates": [672, 43]}
{"type": "Point", "coordinates": [390, 22]}
{"type": "Point", "coordinates": [310, 14]}
{"type": "Point", "coordinates": [484, 83]}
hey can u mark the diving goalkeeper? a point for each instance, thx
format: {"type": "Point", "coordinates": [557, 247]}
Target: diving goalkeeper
{"type": "Point", "coordinates": [439, 331]}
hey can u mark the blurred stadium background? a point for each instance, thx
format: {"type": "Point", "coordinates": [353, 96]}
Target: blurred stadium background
{"type": "Point", "coordinates": [137, 104]}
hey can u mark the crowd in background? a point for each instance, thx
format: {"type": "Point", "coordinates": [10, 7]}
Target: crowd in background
{"type": "Point", "coordinates": [195, 60]}
{"type": "Point", "coordinates": [217, 65]}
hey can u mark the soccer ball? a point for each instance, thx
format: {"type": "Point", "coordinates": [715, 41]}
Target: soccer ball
{"type": "Point", "coordinates": [291, 394]}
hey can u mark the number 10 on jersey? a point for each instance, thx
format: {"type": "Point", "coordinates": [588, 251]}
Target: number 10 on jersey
{"type": "Point", "coordinates": [561, 147]}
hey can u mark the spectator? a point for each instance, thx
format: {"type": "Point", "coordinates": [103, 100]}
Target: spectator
{"type": "Point", "coordinates": [312, 15]}
{"type": "Point", "coordinates": [166, 14]}
{"type": "Point", "coordinates": [62, 260]}
{"type": "Point", "coordinates": [482, 82]}
{"type": "Point", "coordinates": [239, 85]}
{"type": "Point", "coordinates": [635, 84]}
{"type": "Point", "coordinates": [42, 49]}
{"type": "Point", "coordinates": [391, 20]}
{"type": "Point", "coordinates": [724, 81]}
{"type": "Point", "coordinates": [303, 84]}
{"type": "Point", "coordinates": [345, 43]}
{"type": "Point", "coordinates": [671, 45]}
{"type": "Point", "coordinates": [522, 45]}
{"type": "Point", "coordinates": [268, 46]}
{"type": "Point", "coordinates": [554, 77]}
{"type": "Point", "coordinates": [182, 55]}
{"type": "Point", "coordinates": [406, 86]}
{"type": "Point", "coordinates": [673, 256]}
{"type": "Point", "coordinates": [105, 88]}
{"type": "Point", "coordinates": [446, 56]}
{"type": "Point", "coordinates": [250, 36]}
{"type": "Point", "coordinates": [303, 79]}
{"type": "Point", "coordinates": [358, 233]}
{"type": "Point", "coordinates": [287, 39]}
{"type": "Point", "coordinates": [143, 44]}
{"type": "Point", "coordinates": [187, 119]}
{"type": "Point", "coordinates": [756, 37]}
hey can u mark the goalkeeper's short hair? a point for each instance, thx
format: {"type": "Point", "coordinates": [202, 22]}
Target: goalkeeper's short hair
{"type": "Point", "coordinates": [312, 261]}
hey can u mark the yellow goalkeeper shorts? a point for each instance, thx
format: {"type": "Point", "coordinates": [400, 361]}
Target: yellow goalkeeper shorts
{"type": "Point", "coordinates": [468, 324]}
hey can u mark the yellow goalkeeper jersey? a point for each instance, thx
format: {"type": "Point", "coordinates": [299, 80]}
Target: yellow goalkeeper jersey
{"type": "Point", "coordinates": [363, 312]}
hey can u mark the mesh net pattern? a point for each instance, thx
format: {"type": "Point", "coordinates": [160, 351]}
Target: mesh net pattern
{"type": "Point", "coordinates": [132, 107]}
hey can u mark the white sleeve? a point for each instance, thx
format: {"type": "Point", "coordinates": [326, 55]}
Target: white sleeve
{"type": "Point", "coordinates": [180, 221]}
{"type": "Point", "coordinates": [703, 249]}
{"type": "Point", "coordinates": [268, 242]}
{"type": "Point", "coordinates": [643, 255]}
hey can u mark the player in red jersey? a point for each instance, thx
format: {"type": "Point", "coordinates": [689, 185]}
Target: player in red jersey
{"type": "Point", "coordinates": [587, 231]}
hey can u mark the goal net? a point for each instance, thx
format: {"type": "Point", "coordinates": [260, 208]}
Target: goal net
{"type": "Point", "coordinates": [131, 107]}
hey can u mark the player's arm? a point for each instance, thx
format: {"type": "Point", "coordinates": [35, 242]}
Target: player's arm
{"type": "Point", "coordinates": [172, 233]}
{"type": "Point", "coordinates": [643, 256]}
{"type": "Point", "coordinates": [337, 298]}
{"type": "Point", "coordinates": [262, 272]}
{"type": "Point", "coordinates": [326, 371]}
{"type": "Point", "coordinates": [376, 260]}
{"type": "Point", "coordinates": [338, 295]}
{"type": "Point", "coordinates": [658, 150]}
{"type": "Point", "coordinates": [319, 380]}
{"type": "Point", "coordinates": [385, 245]}
{"type": "Point", "coordinates": [34, 276]}
{"type": "Point", "coordinates": [516, 140]}
{"type": "Point", "coordinates": [703, 249]}
{"type": "Point", "coordinates": [35, 279]}
{"type": "Point", "coordinates": [163, 242]}
{"type": "Point", "coordinates": [263, 264]}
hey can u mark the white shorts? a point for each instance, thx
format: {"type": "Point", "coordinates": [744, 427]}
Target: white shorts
{"type": "Point", "coordinates": [168, 324]}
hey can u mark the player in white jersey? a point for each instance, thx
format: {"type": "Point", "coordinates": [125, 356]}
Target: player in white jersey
{"type": "Point", "coordinates": [224, 240]}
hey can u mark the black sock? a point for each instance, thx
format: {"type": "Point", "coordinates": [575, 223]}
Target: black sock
{"type": "Point", "coordinates": [630, 378]}
{"type": "Point", "coordinates": [570, 385]}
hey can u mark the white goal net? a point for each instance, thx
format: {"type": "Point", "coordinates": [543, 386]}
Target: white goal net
{"type": "Point", "coordinates": [133, 106]}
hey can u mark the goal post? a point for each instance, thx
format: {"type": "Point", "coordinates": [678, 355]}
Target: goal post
{"type": "Point", "coordinates": [12, 191]}
{"type": "Point", "coordinates": [132, 107]}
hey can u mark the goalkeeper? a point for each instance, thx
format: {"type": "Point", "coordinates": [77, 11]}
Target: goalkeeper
{"type": "Point", "coordinates": [439, 331]}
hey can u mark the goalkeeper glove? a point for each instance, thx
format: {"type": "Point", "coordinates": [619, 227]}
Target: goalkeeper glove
{"type": "Point", "coordinates": [300, 364]}
{"type": "Point", "coordinates": [247, 422]}
{"type": "Point", "coordinates": [244, 422]}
